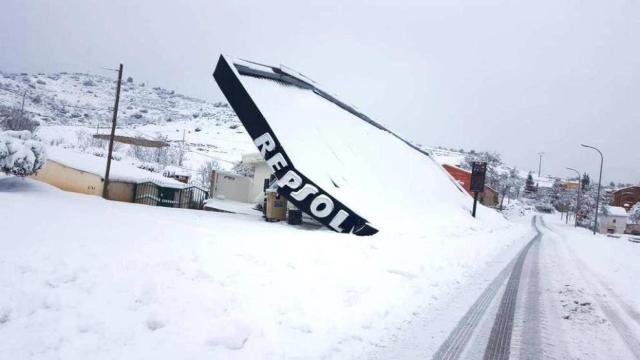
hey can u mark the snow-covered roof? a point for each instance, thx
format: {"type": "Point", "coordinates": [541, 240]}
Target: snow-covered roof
{"type": "Point", "coordinates": [456, 167]}
{"type": "Point", "coordinates": [627, 188]}
{"type": "Point", "coordinates": [229, 173]}
{"type": "Point", "coordinates": [252, 158]}
{"type": "Point", "coordinates": [120, 170]}
{"type": "Point", "coordinates": [176, 171]}
{"type": "Point", "coordinates": [615, 211]}
{"type": "Point", "coordinates": [544, 181]}
{"type": "Point", "coordinates": [448, 157]}
{"type": "Point", "coordinates": [490, 188]}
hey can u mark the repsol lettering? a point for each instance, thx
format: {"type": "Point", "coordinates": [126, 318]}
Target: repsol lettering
{"type": "Point", "coordinates": [305, 195]}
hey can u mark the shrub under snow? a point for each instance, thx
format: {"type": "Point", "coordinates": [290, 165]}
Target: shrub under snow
{"type": "Point", "coordinates": [20, 154]}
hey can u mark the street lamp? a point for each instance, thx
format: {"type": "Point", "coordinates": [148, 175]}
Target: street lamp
{"type": "Point", "coordinates": [540, 163]}
{"type": "Point", "coordinates": [595, 224]}
{"type": "Point", "coordinates": [578, 199]}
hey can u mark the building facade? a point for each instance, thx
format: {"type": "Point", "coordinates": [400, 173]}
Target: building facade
{"type": "Point", "coordinates": [488, 197]}
{"type": "Point", "coordinates": [613, 220]}
{"type": "Point", "coordinates": [571, 185]}
{"type": "Point", "coordinates": [74, 180]}
{"type": "Point", "coordinates": [626, 197]}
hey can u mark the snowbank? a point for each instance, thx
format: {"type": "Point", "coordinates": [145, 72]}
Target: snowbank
{"type": "Point", "coordinates": [102, 280]}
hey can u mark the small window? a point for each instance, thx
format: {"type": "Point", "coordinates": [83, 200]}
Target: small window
{"type": "Point", "coordinates": [614, 221]}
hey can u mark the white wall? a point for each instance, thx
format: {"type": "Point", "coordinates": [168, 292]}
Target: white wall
{"type": "Point", "coordinates": [262, 171]}
{"type": "Point", "coordinates": [69, 179]}
{"type": "Point", "coordinates": [618, 223]}
{"type": "Point", "coordinates": [231, 186]}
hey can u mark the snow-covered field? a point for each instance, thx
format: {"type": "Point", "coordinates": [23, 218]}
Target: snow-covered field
{"type": "Point", "coordinates": [86, 278]}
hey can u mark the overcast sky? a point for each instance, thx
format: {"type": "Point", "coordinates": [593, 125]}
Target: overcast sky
{"type": "Point", "coordinates": [487, 75]}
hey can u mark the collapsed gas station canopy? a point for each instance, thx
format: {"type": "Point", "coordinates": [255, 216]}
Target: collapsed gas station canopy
{"type": "Point", "coordinates": [332, 161]}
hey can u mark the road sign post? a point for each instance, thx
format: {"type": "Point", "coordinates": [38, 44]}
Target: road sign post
{"type": "Point", "coordinates": [478, 173]}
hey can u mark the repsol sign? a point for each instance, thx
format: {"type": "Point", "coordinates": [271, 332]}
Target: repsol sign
{"type": "Point", "coordinates": [292, 184]}
{"type": "Point", "coordinates": [304, 193]}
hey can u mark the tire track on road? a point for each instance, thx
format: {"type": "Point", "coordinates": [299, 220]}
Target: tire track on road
{"type": "Point", "coordinates": [499, 345]}
{"type": "Point", "coordinates": [455, 344]}
{"type": "Point", "coordinates": [531, 319]}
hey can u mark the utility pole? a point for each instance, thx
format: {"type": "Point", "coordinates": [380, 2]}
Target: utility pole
{"type": "Point", "coordinates": [105, 187]}
{"type": "Point", "coordinates": [595, 223]}
{"type": "Point", "coordinates": [181, 158]}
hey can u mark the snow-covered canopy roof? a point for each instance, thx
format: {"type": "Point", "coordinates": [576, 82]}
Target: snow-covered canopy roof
{"type": "Point", "coordinates": [379, 179]}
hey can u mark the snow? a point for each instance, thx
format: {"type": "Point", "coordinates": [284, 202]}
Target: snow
{"type": "Point", "coordinates": [544, 181]}
{"type": "Point", "coordinates": [20, 154]}
{"type": "Point", "coordinates": [443, 156]}
{"type": "Point", "coordinates": [232, 206]}
{"type": "Point", "coordinates": [103, 280]}
{"type": "Point", "coordinates": [175, 171]}
{"type": "Point", "coordinates": [373, 173]}
{"type": "Point", "coordinates": [120, 170]}
{"type": "Point", "coordinates": [577, 299]}
{"type": "Point", "coordinates": [594, 279]}
{"type": "Point", "coordinates": [615, 211]}
{"type": "Point", "coordinates": [215, 141]}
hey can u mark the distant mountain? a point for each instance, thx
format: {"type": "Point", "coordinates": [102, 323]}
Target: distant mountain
{"type": "Point", "coordinates": [86, 99]}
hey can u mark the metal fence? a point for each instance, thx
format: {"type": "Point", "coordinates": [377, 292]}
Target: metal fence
{"type": "Point", "coordinates": [188, 197]}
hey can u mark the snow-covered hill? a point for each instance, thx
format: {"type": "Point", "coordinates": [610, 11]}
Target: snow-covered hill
{"type": "Point", "coordinates": [86, 99]}
{"type": "Point", "coordinates": [71, 107]}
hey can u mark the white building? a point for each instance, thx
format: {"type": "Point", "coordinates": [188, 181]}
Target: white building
{"type": "Point", "coordinates": [261, 172]}
{"type": "Point", "coordinates": [230, 186]}
{"type": "Point", "coordinates": [613, 220]}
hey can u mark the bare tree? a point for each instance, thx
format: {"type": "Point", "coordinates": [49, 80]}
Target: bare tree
{"type": "Point", "coordinates": [204, 173]}
{"type": "Point", "coordinates": [16, 120]}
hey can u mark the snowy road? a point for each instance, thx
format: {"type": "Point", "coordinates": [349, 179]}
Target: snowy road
{"type": "Point", "coordinates": [566, 294]}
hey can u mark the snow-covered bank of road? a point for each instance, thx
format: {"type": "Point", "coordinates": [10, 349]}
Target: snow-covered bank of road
{"type": "Point", "coordinates": [592, 290]}
{"type": "Point", "coordinates": [86, 278]}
